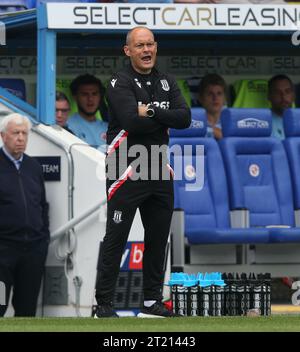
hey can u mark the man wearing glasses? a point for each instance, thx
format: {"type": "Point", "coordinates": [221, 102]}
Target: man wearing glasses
{"type": "Point", "coordinates": [62, 110]}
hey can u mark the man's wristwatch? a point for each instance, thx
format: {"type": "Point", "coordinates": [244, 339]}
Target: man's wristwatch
{"type": "Point", "coordinates": [150, 111]}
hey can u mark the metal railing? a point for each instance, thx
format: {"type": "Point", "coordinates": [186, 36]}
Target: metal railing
{"type": "Point", "coordinates": [75, 221]}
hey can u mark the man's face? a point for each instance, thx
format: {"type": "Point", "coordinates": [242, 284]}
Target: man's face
{"type": "Point", "coordinates": [15, 138]}
{"type": "Point", "coordinates": [213, 99]}
{"type": "Point", "coordinates": [142, 50]}
{"type": "Point", "coordinates": [88, 99]}
{"type": "Point", "coordinates": [281, 96]}
{"type": "Point", "coordinates": [62, 109]}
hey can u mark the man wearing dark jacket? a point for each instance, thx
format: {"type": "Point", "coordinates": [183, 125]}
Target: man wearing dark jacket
{"type": "Point", "coordinates": [143, 105]}
{"type": "Point", "coordinates": [24, 227]}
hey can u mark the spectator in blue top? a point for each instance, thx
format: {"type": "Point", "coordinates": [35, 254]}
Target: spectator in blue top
{"type": "Point", "coordinates": [212, 97]}
{"type": "Point", "coordinates": [281, 94]}
{"type": "Point", "coordinates": [88, 92]}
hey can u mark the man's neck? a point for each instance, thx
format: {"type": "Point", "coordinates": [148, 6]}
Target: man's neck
{"type": "Point", "coordinates": [143, 73]}
{"type": "Point", "coordinates": [277, 112]}
{"type": "Point", "coordinates": [89, 118]}
{"type": "Point", "coordinates": [213, 119]}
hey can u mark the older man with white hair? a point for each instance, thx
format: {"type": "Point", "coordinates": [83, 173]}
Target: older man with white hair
{"type": "Point", "coordinates": [24, 226]}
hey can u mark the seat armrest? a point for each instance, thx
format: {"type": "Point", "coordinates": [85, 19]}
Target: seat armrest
{"type": "Point", "coordinates": [239, 218]}
{"type": "Point", "coordinates": [178, 239]}
{"type": "Point", "coordinates": [297, 217]}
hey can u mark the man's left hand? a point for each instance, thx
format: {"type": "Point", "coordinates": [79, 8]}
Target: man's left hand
{"type": "Point", "coordinates": [142, 110]}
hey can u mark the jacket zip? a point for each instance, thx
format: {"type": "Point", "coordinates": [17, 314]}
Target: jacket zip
{"type": "Point", "coordinates": [24, 200]}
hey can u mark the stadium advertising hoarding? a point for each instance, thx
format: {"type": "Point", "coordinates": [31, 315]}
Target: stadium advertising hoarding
{"type": "Point", "coordinates": [132, 258]}
{"type": "Point", "coordinates": [173, 17]}
{"type": "Point", "coordinates": [179, 65]}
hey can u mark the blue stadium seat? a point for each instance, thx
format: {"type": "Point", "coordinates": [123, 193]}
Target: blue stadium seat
{"type": "Point", "coordinates": [30, 4]}
{"type": "Point", "coordinates": [257, 171]}
{"type": "Point", "coordinates": [291, 123]}
{"type": "Point", "coordinates": [15, 86]}
{"type": "Point", "coordinates": [206, 210]}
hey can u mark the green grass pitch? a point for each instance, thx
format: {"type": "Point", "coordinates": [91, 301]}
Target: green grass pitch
{"type": "Point", "coordinates": [275, 323]}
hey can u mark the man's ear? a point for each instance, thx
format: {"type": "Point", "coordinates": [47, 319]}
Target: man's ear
{"type": "Point", "coordinates": [126, 50]}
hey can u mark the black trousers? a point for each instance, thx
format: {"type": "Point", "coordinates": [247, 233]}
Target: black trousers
{"type": "Point", "coordinates": [22, 267]}
{"type": "Point", "coordinates": [155, 201]}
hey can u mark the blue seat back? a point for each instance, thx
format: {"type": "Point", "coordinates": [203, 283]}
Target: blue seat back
{"type": "Point", "coordinates": [256, 167]}
{"type": "Point", "coordinates": [291, 123]}
{"type": "Point", "coordinates": [15, 86]}
{"type": "Point", "coordinates": [206, 207]}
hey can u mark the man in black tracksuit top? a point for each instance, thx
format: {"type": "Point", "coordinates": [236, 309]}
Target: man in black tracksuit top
{"type": "Point", "coordinates": [143, 105]}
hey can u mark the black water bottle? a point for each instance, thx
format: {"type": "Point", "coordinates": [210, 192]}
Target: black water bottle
{"type": "Point", "coordinates": [182, 300]}
{"type": "Point", "coordinates": [268, 283]}
{"type": "Point", "coordinates": [263, 295]}
{"type": "Point", "coordinates": [239, 295]}
{"type": "Point", "coordinates": [251, 280]}
{"type": "Point", "coordinates": [219, 300]}
{"type": "Point", "coordinates": [212, 301]}
{"type": "Point", "coordinates": [192, 301]}
{"type": "Point", "coordinates": [178, 299]}
{"type": "Point", "coordinates": [257, 295]}
{"type": "Point", "coordinates": [230, 294]}
{"type": "Point", "coordinates": [203, 300]}
{"type": "Point", "coordinates": [174, 295]}
{"type": "Point", "coordinates": [266, 295]}
{"type": "Point", "coordinates": [246, 294]}
{"type": "Point", "coordinates": [226, 294]}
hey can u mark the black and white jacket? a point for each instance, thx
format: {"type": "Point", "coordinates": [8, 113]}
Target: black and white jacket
{"type": "Point", "coordinates": [127, 90]}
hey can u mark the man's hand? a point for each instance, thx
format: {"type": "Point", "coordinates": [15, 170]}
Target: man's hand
{"type": "Point", "coordinates": [142, 110]}
{"type": "Point", "coordinates": [217, 132]}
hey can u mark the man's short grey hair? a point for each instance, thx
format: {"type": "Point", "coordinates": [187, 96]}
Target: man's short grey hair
{"type": "Point", "coordinates": [18, 119]}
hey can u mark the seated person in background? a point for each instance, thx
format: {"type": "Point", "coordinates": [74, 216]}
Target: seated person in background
{"type": "Point", "coordinates": [212, 97]}
{"type": "Point", "coordinates": [281, 94]}
{"type": "Point", "coordinates": [88, 92]}
{"type": "Point", "coordinates": [62, 110]}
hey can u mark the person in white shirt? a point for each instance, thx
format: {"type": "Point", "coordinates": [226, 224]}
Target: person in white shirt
{"type": "Point", "coordinates": [212, 97]}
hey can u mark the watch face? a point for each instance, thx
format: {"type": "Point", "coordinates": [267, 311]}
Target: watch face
{"type": "Point", "coordinates": [150, 112]}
